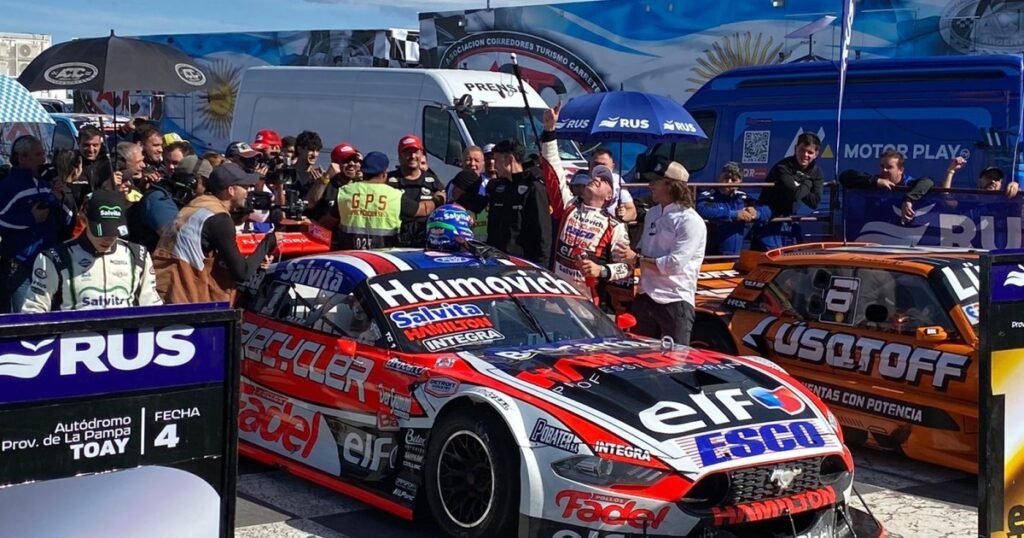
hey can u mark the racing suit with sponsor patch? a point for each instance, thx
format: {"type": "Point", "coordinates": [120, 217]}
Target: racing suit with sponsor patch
{"type": "Point", "coordinates": [583, 232]}
{"type": "Point", "coordinates": [73, 276]}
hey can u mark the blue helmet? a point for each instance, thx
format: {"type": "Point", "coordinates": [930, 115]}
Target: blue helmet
{"type": "Point", "coordinates": [447, 225]}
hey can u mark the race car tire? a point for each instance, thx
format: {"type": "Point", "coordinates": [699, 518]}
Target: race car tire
{"type": "Point", "coordinates": [712, 334]}
{"type": "Point", "coordinates": [472, 476]}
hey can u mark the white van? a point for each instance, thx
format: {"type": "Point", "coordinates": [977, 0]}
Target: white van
{"type": "Point", "coordinates": [372, 108]}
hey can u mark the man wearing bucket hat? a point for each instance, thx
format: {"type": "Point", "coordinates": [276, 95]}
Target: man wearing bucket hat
{"type": "Point", "coordinates": [99, 269]}
{"type": "Point", "coordinates": [670, 256]}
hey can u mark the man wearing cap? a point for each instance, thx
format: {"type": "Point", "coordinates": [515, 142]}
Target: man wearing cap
{"type": "Point", "coordinates": [670, 256]}
{"type": "Point", "coordinates": [370, 212]}
{"type": "Point", "coordinates": [96, 270]}
{"type": "Point", "coordinates": [586, 235]}
{"type": "Point", "coordinates": [267, 141]}
{"type": "Point", "coordinates": [248, 159]}
{"type": "Point", "coordinates": [621, 204]}
{"type": "Point", "coordinates": [175, 149]}
{"type": "Point", "coordinates": [990, 179]}
{"type": "Point", "coordinates": [163, 200]}
{"type": "Point", "coordinates": [197, 259]}
{"type": "Point", "coordinates": [730, 210]}
{"type": "Point", "coordinates": [322, 199]}
{"type": "Point", "coordinates": [418, 186]}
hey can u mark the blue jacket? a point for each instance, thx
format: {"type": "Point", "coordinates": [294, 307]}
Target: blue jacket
{"type": "Point", "coordinates": [21, 237]}
{"type": "Point", "coordinates": [725, 232]}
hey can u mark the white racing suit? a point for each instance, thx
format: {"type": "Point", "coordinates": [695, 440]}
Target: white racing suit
{"type": "Point", "coordinates": [583, 232]}
{"type": "Point", "coordinates": [72, 276]}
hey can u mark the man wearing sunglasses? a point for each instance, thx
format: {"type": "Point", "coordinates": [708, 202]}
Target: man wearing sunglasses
{"type": "Point", "coordinates": [322, 199]}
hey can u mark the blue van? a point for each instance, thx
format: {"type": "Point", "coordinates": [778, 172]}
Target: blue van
{"type": "Point", "coordinates": [931, 109]}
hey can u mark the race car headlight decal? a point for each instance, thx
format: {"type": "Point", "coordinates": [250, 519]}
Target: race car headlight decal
{"type": "Point", "coordinates": [604, 472]}
{"type": "Point", "coordinates": [834, 422]}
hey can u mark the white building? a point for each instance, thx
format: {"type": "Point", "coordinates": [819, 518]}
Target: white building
{"type": "Point", "coordinates": [18, 50]}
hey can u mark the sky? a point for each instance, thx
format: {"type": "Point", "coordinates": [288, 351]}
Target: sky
{"type": "Point", "coordinates": [68, 19]}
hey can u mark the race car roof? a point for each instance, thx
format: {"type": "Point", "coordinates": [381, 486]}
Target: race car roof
{"type": "Point", "coordinates": [920, 259]}
{"type": "Point", "coordinates": [342, 271]}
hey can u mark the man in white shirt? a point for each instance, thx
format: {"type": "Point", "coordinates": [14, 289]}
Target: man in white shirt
{"type": "Point", "coordinates": [671, 253]}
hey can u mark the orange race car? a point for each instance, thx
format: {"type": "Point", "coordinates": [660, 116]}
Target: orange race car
{"type": "Point", "coordinates": [886, 336]}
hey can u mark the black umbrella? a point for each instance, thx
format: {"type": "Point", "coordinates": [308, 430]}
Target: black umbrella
{"type": "Point", "coordinates": [113, 64]}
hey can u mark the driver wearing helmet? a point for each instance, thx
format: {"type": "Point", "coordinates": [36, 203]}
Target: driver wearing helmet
{"type": "Point", "coordinates": [449, 228]}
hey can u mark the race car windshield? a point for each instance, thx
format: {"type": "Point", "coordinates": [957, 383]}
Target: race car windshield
{"type": "Point", "coordinates": [491, 316]}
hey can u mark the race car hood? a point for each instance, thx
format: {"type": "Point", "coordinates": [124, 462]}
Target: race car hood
{"type": "Point", "coordinates": [696, 408]}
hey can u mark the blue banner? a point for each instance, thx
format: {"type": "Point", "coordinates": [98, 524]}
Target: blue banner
{"type": "Point", "coordinates": [985, 220]}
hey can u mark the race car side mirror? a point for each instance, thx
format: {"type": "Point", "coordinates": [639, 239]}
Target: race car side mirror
{"type": "Point", "coordinates": [347, 347]}
{"type": "Point", "coordinates": [932, 334]}
{"type": "Point", "coordinates": [625, 322]}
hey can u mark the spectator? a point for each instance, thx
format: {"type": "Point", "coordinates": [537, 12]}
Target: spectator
{"type": "Point", "coordinates": [892, 175]}
{"type": "Point", "coordinates": [70, 277]}
{"type": "Point", "coordinates": [197, 259]}
{"type": "Point", "coordinates": [671, 253]}
{"type": "Point", "coordinates": [729, 209]}
{"type": "Point", "coordinates": [96, 167]}
{"type": "Point", "coordinates": [128, 171]}
{"type": "Point", "coordinates": [489, 167]}
{"type": "Point", "coordinates": [416, 184]}
{"type": "Point", "coordinates": [587, 235]}
{"type": "Point", "coordinates": [519, 221]}
{"type": "Point", "coordinates": [288, 149]}
{"type": "Point", "coordinates": [248, 159]}
{"type": "Point", "coordinates": [469, 190]}
{"type": "Point", "coordinates": [346, 163]}
{"type": "Point", "coordinates": [621, 205]}
{"type": "Point", "coordinates": [31, 219]}
{"type": "Point", "coordinates": [990, 179]}
{"type": "Point", "coordinates": [795, 179]}
{"type": "Point", "coordinates": [152, 143]}
{"type": "Point", "coordinates": [69, 181]}
{"type": "Point", "coordinates": [215, 159]}
{"type": "Point", "coordinates": [472, 161]}
{"type": "Point", "coordinates": [157, 209]}
{"type": "Point", "coordinates": [370, 212]}
{"type": "Point", "coordinates": [307, 151]}
{"type": "Point", "coordinates": [244, 156]}
{"type": "Point", "coordinates": [267, 141]}
{"type": "Point", "coordinates": [189, 179]}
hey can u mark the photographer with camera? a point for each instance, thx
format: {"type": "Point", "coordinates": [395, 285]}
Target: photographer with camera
{"type": "Point", "coordinates": [197, 259]}
{"type": "Point", "coordinates": [257, 213]}
{"type": "Point", "coordinates": [322, 199]}
{"type": "Point", "coordinates": [268, 142]}
{"type": "Point", "coordinates": [162, 201]}
{"type": "Point", "coordinates": [418, 185]}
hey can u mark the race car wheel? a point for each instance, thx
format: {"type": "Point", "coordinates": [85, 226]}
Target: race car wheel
{"type": "Point", "coordinates": [473, 477]}
{"type": "Point", "coordinates": [712, 334]}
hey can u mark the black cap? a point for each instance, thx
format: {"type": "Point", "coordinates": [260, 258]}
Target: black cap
{"type": "Point", "coordinates": [465, 179]}
{"type": "Point", "coordinates": [995, 170]}
{"type": "Point", "coordinates": [108, 214]}
{"type": "Point", "coordinates": [229, 174]}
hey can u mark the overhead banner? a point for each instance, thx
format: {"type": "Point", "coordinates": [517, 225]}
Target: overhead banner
{"type": "Point", "coordinates": [968, 219]}
{"type": "Point", "coordinates": [119, 422]}
{"type": "Point", "coordinates": [1001, 480]}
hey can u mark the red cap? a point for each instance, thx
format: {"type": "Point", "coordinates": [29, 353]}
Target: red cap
{"type": "Point", "coordinates": [410, 141]}
{"type": "Point", "coordinates": [266, 138]}
{"type": "Point", "coordinates": [343, 152]}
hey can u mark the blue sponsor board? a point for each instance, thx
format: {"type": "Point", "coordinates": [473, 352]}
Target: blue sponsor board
{"type": "Point", "coordinates": [1007, 282]}
{"type": "Point", "coordinates": [738, 443]}
{"type": "Point", "coordinates": [980, 220]}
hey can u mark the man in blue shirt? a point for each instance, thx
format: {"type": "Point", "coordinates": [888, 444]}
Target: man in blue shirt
{"type": "Point", "coordinates": [728, 210]}
{"type": "Point", "coordinates": [31, 218]}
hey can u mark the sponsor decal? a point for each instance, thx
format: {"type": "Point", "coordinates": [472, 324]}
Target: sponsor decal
{"type": "Point", "coordinates": [571, 349]}
{"type": "Point", "coordinates": [387, 422]}
{"type": "Point", "coordinates": [617, 122]}
{"type": "Point", "coordinates": [589, 508]}
{"type": "Point", "coordinates": [442, 328]}
{"type": "Point", "coordinates": [405, 489]}
{"type": "Point", "coordinates": [895, 361]}
{"type": "Point", "coordinates": [781, 398]}
{"type": "Point", "coordinates": [99, 353]}
{"type": "Point", "coordinates": [106, 300]}
{"type": "Point", "coordinates": [505, 89]}
{"type": "Point", "coordinates": [972, 312]}
{"type": "Point", "coordinates": [580, 123]}
{"type": "Point", "coordinates": [190, 74]}
{"type": "Point", "coordinates": [110, 212]}
{"type": "Point", "coordinates": [746, 442]}
{"type": "Point", "coordinates": [450, 341]}
{"type": "Point", "coordinates": [276, 422]}
{"type": "Point", "coordinates": [306, 359]}
{"type": "Point", "coordinates": [445, 362]}
{"type": "Point", "coordinates": [495, 397]}
{"type": "Point", "coordinates": [402, 367]}
{"type": "Point", "coordinates": [424, 315]}
{"type": "Point", "coordinates": [754, 284]}
{"type": "Point", "coordinates": [622, 451]}
{"type": "Point", "coordinates": [930, 417]}
{"type": "Point", "coordinates": [675, 418]}
{"type": "Point", "coordinates": [585, 384]}
{"type": "Point", "coordinates": [39, 273]}
{"type": "Point", "coordinates": [1007, 283]}
{"type": "Point", "coordinates": [313, 273]}
{"type": "Point", "coordinates": [369, 452]}
{"type": "Point", "coordinates": [395, 293]}
{"type": "Point", "coordinates": [451, 259]}
{"type": "Point", "coordinates": [441, 387]}
{"type": "Point", "coordinates": [399, 404]}
{"type": "Point", "coordinates": [413, 439]}
{"type": "Point", "coordinates": [679, 126]}
{"type": "Point", "coordinates": [71, 73]}
{"type": "Point", "coordinates": [712, 275]}
{"type": "Point", "coordinates": [566, 371]}
{"type": "Point", "coordinates": [976, 27]}
{"type": "Point", "coordinates": [774, 508]}
{"type": "Point", "coordinates": [553, 436]}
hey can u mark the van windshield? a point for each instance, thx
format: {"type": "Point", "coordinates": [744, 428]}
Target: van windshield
{"type": "Point", "coordinates": [496, 124]}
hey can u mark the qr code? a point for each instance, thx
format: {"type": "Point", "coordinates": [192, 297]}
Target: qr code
{"type": "Point", "coordinates": [755, 147]}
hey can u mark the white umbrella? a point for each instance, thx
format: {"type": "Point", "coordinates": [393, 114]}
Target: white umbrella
{"type": "Point", "coordinates": [18, 106]}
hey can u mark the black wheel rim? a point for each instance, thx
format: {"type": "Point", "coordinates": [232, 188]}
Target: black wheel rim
{"type": "Point", "coordinates": [465, 479]}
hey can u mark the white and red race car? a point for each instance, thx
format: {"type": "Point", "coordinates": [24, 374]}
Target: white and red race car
{"type": "Point", "coordinates": [490, 395]}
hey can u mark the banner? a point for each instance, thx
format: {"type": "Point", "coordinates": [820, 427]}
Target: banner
{"type": "Point", "coordinates": [1001, 477]}
{"type": "Point", "coordinates": [119, 422]}
{"type": "Point", "coordinates": [969, 219]}
{"type": "Point", "coordinates": [844, 56]}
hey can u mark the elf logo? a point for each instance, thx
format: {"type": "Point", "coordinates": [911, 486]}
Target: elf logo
{"type": "Point", "coordinates": [782, 398]}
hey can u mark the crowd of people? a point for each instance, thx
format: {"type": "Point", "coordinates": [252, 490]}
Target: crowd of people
{"type": "Point", "coordinates": [152, 221]}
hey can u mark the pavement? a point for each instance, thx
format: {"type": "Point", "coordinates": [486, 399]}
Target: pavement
{"type": "Point", "coordinates": [911, 499]}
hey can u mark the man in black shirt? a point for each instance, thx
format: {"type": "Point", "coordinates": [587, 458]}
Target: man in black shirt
{"type": "Point", "coordinates": [416, 185]}
{"type": "Point", "coordinates": [96, 167]}
{"type": "Point", "coordinates": [796, 179]}
{"type": "Point", "coordinates": [518, 221]}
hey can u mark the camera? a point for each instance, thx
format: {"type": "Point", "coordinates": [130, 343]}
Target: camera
{"type": "Point", "coordinates": [293, 207]}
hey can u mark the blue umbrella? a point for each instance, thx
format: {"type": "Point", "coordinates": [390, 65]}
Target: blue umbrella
{"type": "Point", "coordinates": [18, 106]}
{"type": "Point", "coordinates": [626, 117]}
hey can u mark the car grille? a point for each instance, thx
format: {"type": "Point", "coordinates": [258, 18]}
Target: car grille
{"type": "Point", "coordinates": [755, 483]}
